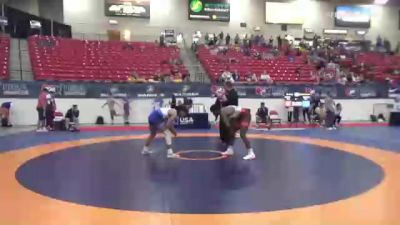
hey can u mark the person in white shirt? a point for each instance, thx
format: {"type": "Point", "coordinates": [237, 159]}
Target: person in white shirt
{"type": "Point", "coordinates": [254, 78]}
{"type": "Point", "coordinates": [227, 76]}
{"type": "Point", "coordinates": [266, 77]}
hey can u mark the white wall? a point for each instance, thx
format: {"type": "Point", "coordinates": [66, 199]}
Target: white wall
{"type": "Point", "coordinates": [87, 16]}
{"type": "Point", "coordinates": [24, 113]}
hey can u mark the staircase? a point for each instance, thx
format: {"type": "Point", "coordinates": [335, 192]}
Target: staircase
{"type": "Point", "coordinates": [20, 63]}
{"type": "Point", "coordinates": [196, 70]}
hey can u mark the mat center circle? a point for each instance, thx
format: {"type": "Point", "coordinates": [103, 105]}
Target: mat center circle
{"type": "Point", "coordinates": [200, 155]}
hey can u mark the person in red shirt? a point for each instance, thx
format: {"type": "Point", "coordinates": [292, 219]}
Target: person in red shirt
{"type": "Point", "coordinates": [41, 106]}
{"type": "Point", "coordinates": [236, 119]}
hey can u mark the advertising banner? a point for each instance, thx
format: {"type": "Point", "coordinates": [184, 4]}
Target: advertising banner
{"type": "Point", "coordinates": [15, 89]}
{"type": "Point", "coordinates": [212, 10]}
{"type": "Point", "coordinates": [129, 8]}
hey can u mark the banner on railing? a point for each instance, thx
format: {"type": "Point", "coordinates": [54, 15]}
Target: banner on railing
{"type": "Point", "coordinates": [11, 89]}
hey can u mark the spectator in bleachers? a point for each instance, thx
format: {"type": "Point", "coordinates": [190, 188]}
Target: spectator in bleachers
{"type": "Point", "coordinates": [127, 46]}
{"type": "Point", "coordinates": [221, 36]}
{"type": "Point", "coordinates": [47, 43]}
{"type": "Point", "coordinates": [279, 41]}
{"type": "Point", "coordinates": [251, 41]}
{"type": "Point", "coordinates": [271, 41]}
{"type": "Point", "coordinates": [254, 78]}
{"type": "Point", "coordinates": [227, 39]}
{"type": "Point", "coordinates": [72, 119]}
{"type": "Point", "coordinates": [262, 114]}
{"type": "Point", "coordinates": [387, 45]}
{"type": "Point", "coordinates": [331, 65]}
{"type": "Point", "coordinates": [215, 39]}
{"type": "Point", "coordinates": [236, 75]}
{"type": "Point", "coordinates": [261, 41]}
{"type": "Point", "coordinates": [256, 40]}
{"type": "Point", "coordinates": [207, 38]}
{"type": "Point", "coordinates": [266, 77]}
{"type": "Point", "coordinates": [379, 41]}
{"type": "Point", "coordinates": [162, 40]}
{"type": "Point", "coordinates": [237, 39]}
{"type": "Point", "coordinates": [226, 76]}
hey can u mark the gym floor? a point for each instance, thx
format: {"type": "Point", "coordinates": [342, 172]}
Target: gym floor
{"type": "Point", "coordinates": [311, 176]}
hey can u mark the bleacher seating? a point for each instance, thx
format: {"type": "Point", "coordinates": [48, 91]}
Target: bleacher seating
{"type": "Point", "coordinates": [4, 57]}
{"type": "Point", "coordinates": [381, 65]}
{"type": "Point", "coordinates": [82, 60]}
{"type": "Point", "coordinates": [280, 69]}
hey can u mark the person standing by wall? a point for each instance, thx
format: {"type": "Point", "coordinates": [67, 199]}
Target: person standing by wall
{"type": "Point", "coordinates": [127, 109]}
{"type": "Point", "coordinates": [306, 114]}
{"type": "Point", "coordinates": [338, 116]}
{"type": "Point", "coordinates": [330, 108]}
{"type": "Point", "coordinates": [290, 110]}
{"type": "Point", "coordinates": [40, 108]}
{"type": "Point", "coordinates": [50, 111]}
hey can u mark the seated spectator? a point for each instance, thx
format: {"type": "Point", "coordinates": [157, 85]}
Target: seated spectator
{"type": "Point", "coordinates": [127, 47]}
{"type": "Point", "coordinates": [254, 78]}
{"type": "Point", "coordinates": [262, 114]}
{"type": "Point", "coordinates": [134, 78]}
{"type": "Point", "coordinates": [156, 79]}
{"type": "Point", "coordinates": [72, 119]}
{"type": "Point", "coordinates": [331, 65]}
{"type": "Point", "coordinates": [236, 76]}
{"type": "Point", "coordinates": [5, 114]}
{"type": "Point", "coordinates": [226, 76]}
{"type": "Point", "coordinates": [178, 78]}
{"type": "Point", "coordinates": [168, 78]}
{"type": "Point", "coordinates": [266, 77]}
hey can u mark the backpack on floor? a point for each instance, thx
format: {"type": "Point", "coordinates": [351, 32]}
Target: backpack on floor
{"type": "Point", "coordinates": [100, 120]}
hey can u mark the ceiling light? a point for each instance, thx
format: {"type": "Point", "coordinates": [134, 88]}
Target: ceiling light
{"type": "Point", "coordinates": [381, 2]}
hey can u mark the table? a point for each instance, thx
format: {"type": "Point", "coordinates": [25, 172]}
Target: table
{"type": "Point", "coordinates": [394, 119]}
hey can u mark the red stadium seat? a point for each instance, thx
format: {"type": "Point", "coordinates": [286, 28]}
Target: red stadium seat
{"type": "Point", "coordinates": [69, 59]}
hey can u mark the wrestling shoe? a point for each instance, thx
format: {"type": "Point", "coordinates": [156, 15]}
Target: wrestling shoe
{"type": "Point", "coordinates": [250, 156]}
{"type": "Point", "coordinates": [146, 151]}
{"type": "Point", "coordinates": [229, 151]}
